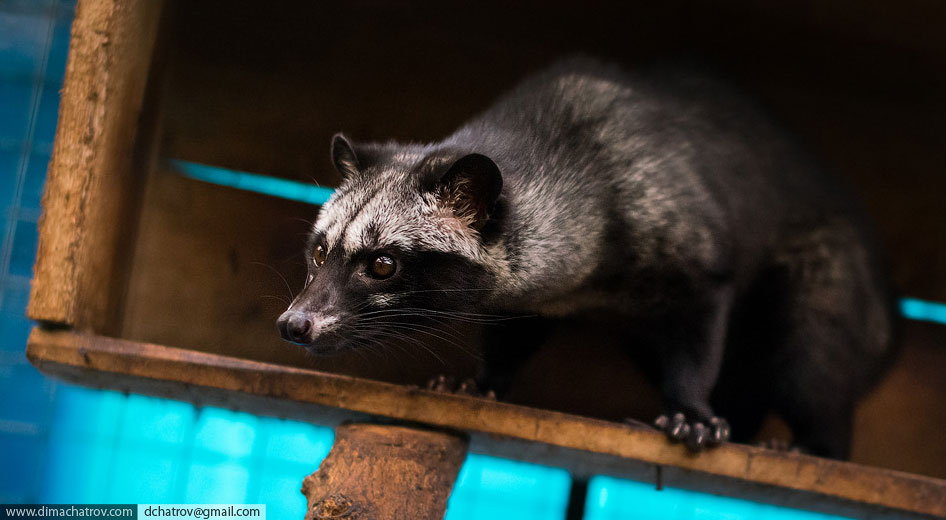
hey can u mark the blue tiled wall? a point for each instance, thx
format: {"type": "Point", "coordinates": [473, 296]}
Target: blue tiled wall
{"type": "Point", "coordinates": [134, 449]}
{"type": "Point", "coordinates": [33, 38]}
{"type": "Point", "coordinates": [614, 499]}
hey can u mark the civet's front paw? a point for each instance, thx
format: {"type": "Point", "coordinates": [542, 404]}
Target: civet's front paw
{"type": "Point", "coordinates": [696, 434]}
{"type": "Point", "coordinates": [450, 385]}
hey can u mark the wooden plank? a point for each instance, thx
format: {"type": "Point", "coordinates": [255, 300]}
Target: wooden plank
{"type": "Point", "coordinates": [584, 446]}
{"type": "Point", "coordinates": [385, 472]}
{"type": "Point", "coordinates": [899, 424]}
{"type": "Point", "coordinates": [88, 205]}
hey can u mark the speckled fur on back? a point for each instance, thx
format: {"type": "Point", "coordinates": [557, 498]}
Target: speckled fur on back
{"type": "Point", "coordinates": [662, 199]}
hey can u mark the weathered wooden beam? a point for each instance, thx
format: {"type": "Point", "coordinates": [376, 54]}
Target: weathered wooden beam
{"type": "Point", "coordinates": [581, 445]}
{"type": "Point", "coordinates": [91, 189]}
{"type": "Point", "coordinates": [385, 472]}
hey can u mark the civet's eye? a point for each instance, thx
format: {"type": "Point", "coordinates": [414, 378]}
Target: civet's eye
{"type": "Point", "coordinates": [318, 256]}
{"type": "Point", "coordinates": [382, 267]}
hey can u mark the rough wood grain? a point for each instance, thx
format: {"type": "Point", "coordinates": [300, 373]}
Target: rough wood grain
{"type": "Point", "coordinates": [584, 446]}
{"type": "Point", "coordinates": [385, 472]}
{"type": "Point", "coordinates": [90, 188]}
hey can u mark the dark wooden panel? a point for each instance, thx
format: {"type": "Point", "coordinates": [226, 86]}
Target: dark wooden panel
{"type": "Point", "coordinates": [899, 424]}
{"type": "Point", "coordinates": [262, 88]}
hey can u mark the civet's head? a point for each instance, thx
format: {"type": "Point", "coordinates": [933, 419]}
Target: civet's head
{"type": "Point", "coordinates": [400, 247]}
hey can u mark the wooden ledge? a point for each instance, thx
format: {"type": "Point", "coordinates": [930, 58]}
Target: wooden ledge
{"type": "Point", "coordinates": [581, 445]}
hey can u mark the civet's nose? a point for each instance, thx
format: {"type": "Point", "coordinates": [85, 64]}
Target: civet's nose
{"type": "Point", "coordinates": [295, 327]}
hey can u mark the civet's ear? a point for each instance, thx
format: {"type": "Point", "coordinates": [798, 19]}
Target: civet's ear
{"type": "Point", "coordinates": [344, 157]}
{"type": "Point", "coordinates": [470, 187]}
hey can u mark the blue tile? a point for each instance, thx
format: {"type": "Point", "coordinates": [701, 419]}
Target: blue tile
{"type": "Point", "coordinates": [9, 179]}
{"type": "Point", "coordinates": [33, 401]}
{"type": "Point", "coordinates": [31, 7]}
{"type": "Point", "coordinates": [225, 432]}
{"type": "Point", "coordinates": [221, 483]}
{"type": "Point", "coordinates": [87, 415]}
{"type": "Point", "coordinates": [281, 492]}
{"type": "Point", "coordinates": [15, 109]}
{"type": "Point", "coordinates": [21, 475]}
{"type": "Point", "coordinates": [14, 330]}
{"type": "Point", "coordinates": [131, 462]}
{"type": "Point", "coordinates": [150, 421]}
{"type": "Point", "coordinates": [22, 44]}
{"type": "Point", "coordinates": [298, 442]}
{"type": "Point", "coordinates": [16, 294]}
{"type": "Point", "coordinates": [47, 116]}
{"type": "Point", "coordinates": [68, 457]}
{"type": "Point", "coordinates": [33, 184]}
{"type": "Point", "coordinates": [488, 487]}
{"type": "Point", "coordinates": [59, 50]}
{"type": "Point", "coordinates": [23, 253]}
{"type": "Point", "coordinates": [610, 498]}
{"type": "Point", "coordinates": [140, 475]}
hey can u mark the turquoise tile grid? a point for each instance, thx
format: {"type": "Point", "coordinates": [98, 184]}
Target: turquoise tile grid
{"type": "Point", "coordinates": [615, 499]}
{"type": "Point", "coordinates": [489, 487]}
{"type": "Point", "coordinates": [30, 76]}
{"type": "Point", "coordinates": [136, 449]}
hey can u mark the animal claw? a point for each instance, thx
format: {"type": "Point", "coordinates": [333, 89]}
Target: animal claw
{"type": "Point", "coordinates": [449, 385]}
{"type": "Point", "coordinates": [697, 435]}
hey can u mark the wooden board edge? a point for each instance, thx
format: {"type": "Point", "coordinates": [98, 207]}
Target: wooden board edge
{"type": "Point", "coordinates": [585, 446]}
{"type": "Point", "coordinates": [89, 184]}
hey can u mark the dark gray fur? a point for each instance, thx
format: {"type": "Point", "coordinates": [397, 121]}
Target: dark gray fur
{"type": "Point", "coordinates": [661, 199]}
